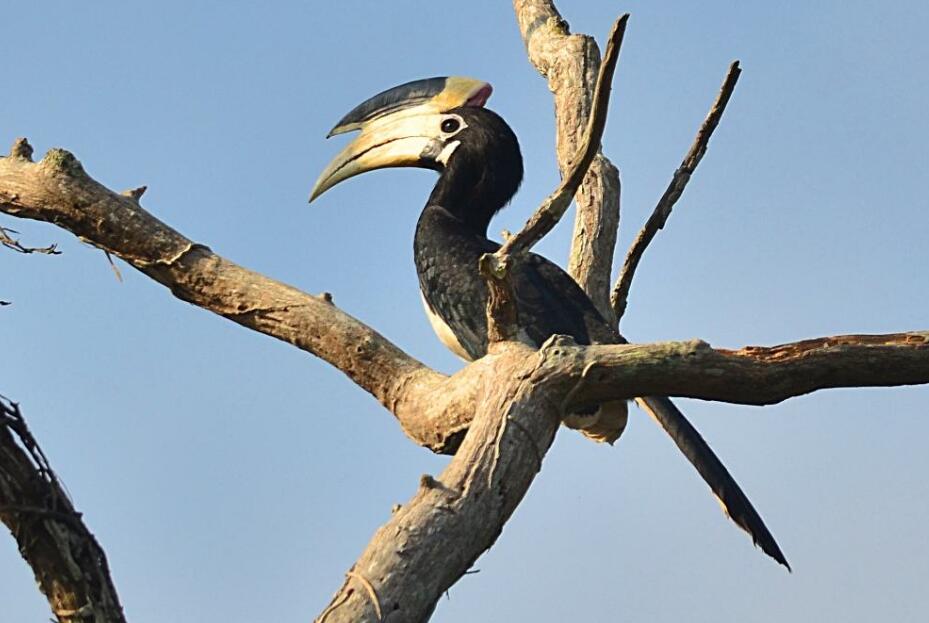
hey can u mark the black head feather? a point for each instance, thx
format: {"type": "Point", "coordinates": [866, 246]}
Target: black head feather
{"type": "Point", "coordinates": [484, 171]}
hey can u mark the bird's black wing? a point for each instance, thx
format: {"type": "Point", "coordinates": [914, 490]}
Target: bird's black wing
{"type": "Point", "coordinates": [547, 292]}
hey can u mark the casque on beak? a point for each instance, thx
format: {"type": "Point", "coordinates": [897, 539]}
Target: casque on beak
{"type": "Point", "coordinates": [400, 127]}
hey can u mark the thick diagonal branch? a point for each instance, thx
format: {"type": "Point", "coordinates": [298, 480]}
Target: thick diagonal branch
{"type": "Point", "coordinates": [57, 190]}
{"type": "Point", "coordinates": [433, 540]}
{"type": "Point", "coordinates": [69, 565]}
{"type": "Point", "coordinates": [570, 63]}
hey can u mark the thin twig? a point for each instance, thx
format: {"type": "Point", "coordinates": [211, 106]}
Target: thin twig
{"type": "Point", "coordinates": [662, 211]}
{"type": "Point", "coordinates": [12, 243]}
{"type": "Point", "coordinates": [555, 205]}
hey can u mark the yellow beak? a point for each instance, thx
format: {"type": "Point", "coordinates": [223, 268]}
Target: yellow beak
{"type": "Point", "coordinates": [400, 127]}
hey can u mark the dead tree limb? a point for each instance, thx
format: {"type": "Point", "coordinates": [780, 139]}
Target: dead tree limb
{"type": "Point", "coordinates": [571, 63]}
{"type": "Point", "coordinates": [69, 565]}
{"type": "Point", "coordinates": [433, 540]}
{"type": "Point", "coordinates": [57, 190]}
{"type": "Point", "coordinates": [658, 218]}
{"type": "Point", "coordinates": [554, 206]}
{"type": "Point", "coordinates": [753, 375]}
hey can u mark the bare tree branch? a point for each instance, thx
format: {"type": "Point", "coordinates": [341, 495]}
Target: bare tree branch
{"type": "Point", "coordinates": [570, 63]}
{"type": "Point", "coordinates": [12, 243]}
{"type": "Point", "coordinates": [550, 212]}
{"type": "Point", "coordinates": [502, 322]}
{"type": "Point", "coordinates": [753, 375]}
{"type": "Point", "coordinates": [57, 190]}
{"type": "Point", "coordinates": [69, 565]}
{"type": "Point", "coordinates": [678, 183]}
{"type": "Point", "coordinates": [409, 566]}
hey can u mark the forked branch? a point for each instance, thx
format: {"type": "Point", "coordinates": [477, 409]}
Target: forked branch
{"type": "Point", "coordinates": [14, 244]}
{"type": "Point", "coordinates": [512, 399]}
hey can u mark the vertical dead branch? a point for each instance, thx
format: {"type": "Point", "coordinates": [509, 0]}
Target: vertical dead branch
{"type": "Point", "coordinates": [554, 206]}
{"type": "Point", "coordinates": [570, 63]}
{"type": "Point", "coordinates": [70, 566]}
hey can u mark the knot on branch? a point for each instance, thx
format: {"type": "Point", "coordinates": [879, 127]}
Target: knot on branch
{"type": "Point", "coordinates": [21, 150]}
{"type": "Point", "coordinates": [426, 481]}
{"type": "Point", "coordinates": [63, 161]}
{"type": "Point", "coordinates": [695, 347]}
{"type": "Point", "coordinates": [553, 344]}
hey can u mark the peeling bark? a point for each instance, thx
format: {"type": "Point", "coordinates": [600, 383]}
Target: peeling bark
{"type": "Point", "coordinates": [754, 375]}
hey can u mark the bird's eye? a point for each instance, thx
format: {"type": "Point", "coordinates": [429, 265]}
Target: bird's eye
{"type": "Point", "coordinates": [450, 125]}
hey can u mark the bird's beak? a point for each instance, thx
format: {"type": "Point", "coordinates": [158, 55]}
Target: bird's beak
{"type": "Point", "coordinates": [399, 127]}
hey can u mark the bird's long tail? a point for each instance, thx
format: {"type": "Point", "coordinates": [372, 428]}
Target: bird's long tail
{"type": "Point", "coordinates": [734, 502]}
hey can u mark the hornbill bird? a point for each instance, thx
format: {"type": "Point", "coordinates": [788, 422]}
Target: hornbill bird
{"type": "Point", "coordinates": [441, 124]}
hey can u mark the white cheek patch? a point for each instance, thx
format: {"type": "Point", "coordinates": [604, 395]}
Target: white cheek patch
{"type": "Point", "coordinates": [447, 152]}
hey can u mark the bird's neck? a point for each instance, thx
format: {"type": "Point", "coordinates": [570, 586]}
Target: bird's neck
{"type": "Point", "coordinates": [465, 198]}
{"type": "Point", "coordinates": [475, 186]}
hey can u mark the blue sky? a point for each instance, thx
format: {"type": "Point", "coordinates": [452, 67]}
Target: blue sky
{"type": "Point", "coordinates": [232, 478]}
